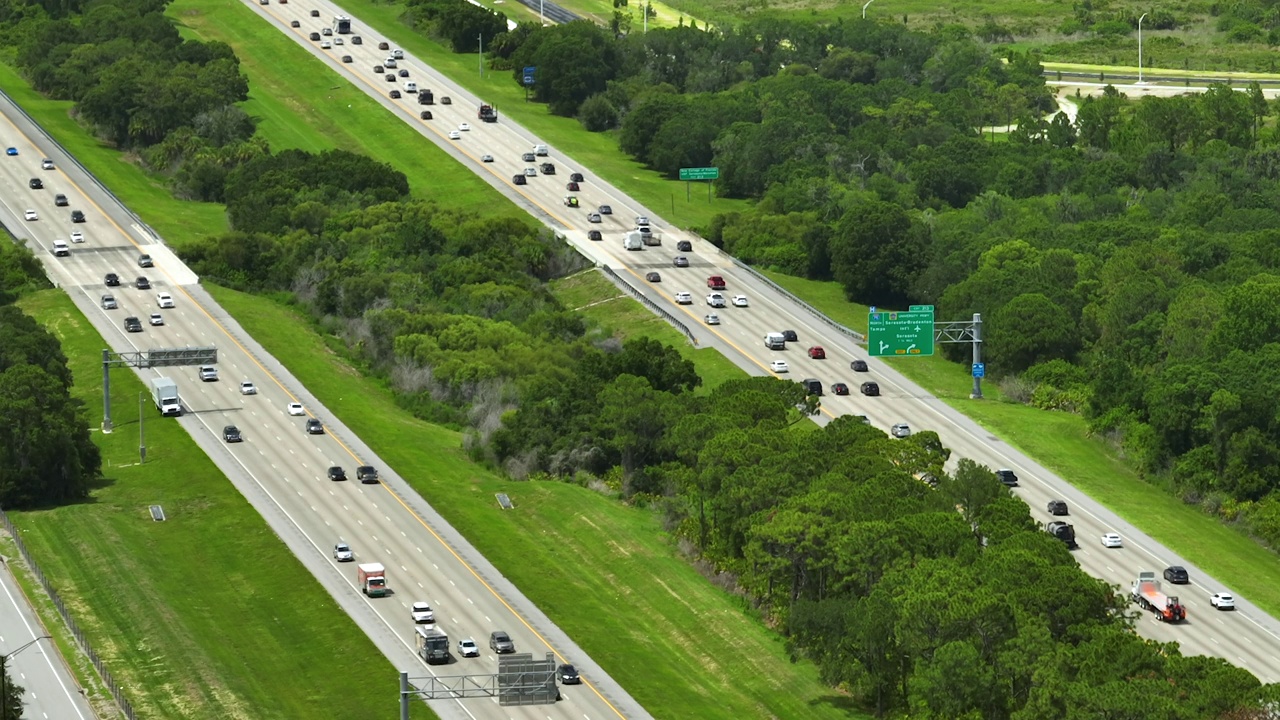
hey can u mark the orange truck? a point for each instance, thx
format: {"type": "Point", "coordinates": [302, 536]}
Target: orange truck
{"type": "Point", "coordinates": [1148, 595]}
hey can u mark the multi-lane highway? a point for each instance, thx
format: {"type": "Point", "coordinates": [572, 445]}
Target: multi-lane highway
{"type": "Point", "coordinates": [280, 468]}
{"type": "Point", "coordinates": [1248, 637]}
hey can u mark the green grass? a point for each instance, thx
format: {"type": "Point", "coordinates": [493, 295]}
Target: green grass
{"type": "Point", "coordinates": [1060, 442]}
{"type": "Point", "coordinates": [591, 293]}
{"type": "Point", "coordinates": [274, 61]}
{"type": "Point", "coordinates": [605, 573]}
{"type": "Point", "coordinates": [204, 615]}
{"type": "Point", "coordinates": [300, 103]}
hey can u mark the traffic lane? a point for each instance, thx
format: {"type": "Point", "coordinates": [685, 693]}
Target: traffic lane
{"type": "Point", "coordinates": [49, 688]}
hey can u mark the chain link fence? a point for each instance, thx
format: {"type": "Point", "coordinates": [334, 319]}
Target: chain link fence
{"type": "Point", "coordinates": [105, 675]}
{"type": "Point", "coordinates": [617, 280]}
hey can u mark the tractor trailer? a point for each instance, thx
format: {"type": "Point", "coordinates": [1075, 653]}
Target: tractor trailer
{"type": "Point", "coordinates": [433, 645]}
{"type": "Point", "coordinates": [165, 394]}
{"type": "Point", "coordinates": [373, 579]}
{"type": "Point", "coordinates": [1148, 595]}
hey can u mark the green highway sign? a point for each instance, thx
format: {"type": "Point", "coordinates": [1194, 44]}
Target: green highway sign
{"type": "Point", "coordinates": [699, 173]}
{"type": "Point", "coordinates": [898, 334]}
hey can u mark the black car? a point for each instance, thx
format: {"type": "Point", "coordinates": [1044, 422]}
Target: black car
{"type": "Point", "coordinates": [572, 187]}
{"type": "Point", "coordinates": [113, 280]}
{"type": "Point", "coordinates": [1007, 477]}
{"type": "Point", "coordinates": [404, 72]}
{"type": "Point", "coordinates": [314, 36]}
{"type": "Point", "coordinates": [346, 58]}
{"type": "Point", "coordinates": [684, 246]}
{"type": "Point", "coordinates": [840, 389]}
{"type": "Point", "coordinates": [77, 216]}
{"type": "Point", "coordinates": [294, 24]}
{"type": "Point", "coordinates": [315, 427]}
{"type": "Point", "coordinates": [337, 474]}
{"type": "Point", "coordinates": [379, 69]}
{"type": "Point", "coordinates": [518, 179]}
{"type": "Point", "coordinates": [356, 40]}
{"type": "Point", "coordinates": [858, 366]}
{"type": "Point", "coordinates": [60, 200]}
{"type": "Point", "coordinates": [790, 336]}
{"type": "Point", "coordinates": [445, 100]}
{"type": "Point", "coordinates": [132, 324]}
{"type": "Point", "coordinates": [1057, 507]}
{"type": "Point", "coordinates": [144, 261]}
{"type": "Point", "coordinates": [680, 261]}
{"type": "Point", "coordinates": [653, 277]}
{"type": "Point", "coordinates": [389, 77]}
{"type": "Point", "coordinates": [547, 169]}
{"type": "Point", "coordinates": [1177, 575]}
{"type": "Point", "coordinates": [142, 283]}
{"type": "Point", "coordinates": [576, 177]}
{"type": "Point", "coordinates": [231, 434]}
{"type": "Point", "coordinates": [594, 235]}
{"type": "Point", "coordinates": [367, 474]}
{"type": "Point", "coordinates": [315, 13]}
{"type": "Point", "coordinates": [36, 184]}
{"type": "Point", "coordinates": [426, 115]}
{"type": "Point", "coordinates": [870, 389]}
{"type": "Point", "coordinates": [568, 675]}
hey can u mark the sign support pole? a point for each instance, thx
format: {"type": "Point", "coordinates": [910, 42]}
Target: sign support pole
{"type": "Point", "coordinates": [977, 356]}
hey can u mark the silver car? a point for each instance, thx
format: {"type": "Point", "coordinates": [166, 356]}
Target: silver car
{"type": "Point", "coordinates": [900, 430]}
{"type": "Point", "coordinates": [342, 552]}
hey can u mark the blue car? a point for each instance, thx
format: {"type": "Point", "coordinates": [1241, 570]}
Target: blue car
{"type": "Point", "coordinates": [11, 151]}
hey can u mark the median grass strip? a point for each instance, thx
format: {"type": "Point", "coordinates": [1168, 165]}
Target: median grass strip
{"type": "Point", "coordinates": [206, 614]}
{"type": "Point", "coordinates": [1061, 442]}
{"type": "Point", "coordinates": [616, 313]}
{"type": "Point", "coordinates": [606, 573]}
{"type": "Point", "coordinates": [260, 45]}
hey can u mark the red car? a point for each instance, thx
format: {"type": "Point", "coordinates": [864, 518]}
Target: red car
{"type": "Point", "coordinates": [572, 187]}
{"type": "Point", "coordinates": [715, 282]}
{"type": "Point", "coordinates": [817, 353]}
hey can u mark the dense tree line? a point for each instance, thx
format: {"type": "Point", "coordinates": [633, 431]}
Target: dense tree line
{"type": "Point", "coordinates": [46, 456]}
{"type": "Point", "coordinates": [457, 22]}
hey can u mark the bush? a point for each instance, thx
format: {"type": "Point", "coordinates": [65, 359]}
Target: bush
{"type": "Point", "coordinates": [1112, 28]}
{"type": "Point", "coordinates": [597, 114]}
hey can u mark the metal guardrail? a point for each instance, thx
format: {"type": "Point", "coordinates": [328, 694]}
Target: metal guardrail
{"type": "Point", "coordinates": [103, 673]}
{"type": "Point", "coordinates": [854, 334]}
{"type": "Point", "coordinates": [119, 203]}
{"type": "Point", "coordinates": [675, 322]}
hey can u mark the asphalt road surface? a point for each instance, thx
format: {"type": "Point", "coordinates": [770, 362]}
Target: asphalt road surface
{"type": "Point", "coordinates": [1247, 637]}
{"type": "Point", "coordinates": [51, 691]}
{"type": "Point", "coordinates": [280, 468]}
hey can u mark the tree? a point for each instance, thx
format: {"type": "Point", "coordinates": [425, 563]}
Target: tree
{"type": "Point", "coordinates": [46, 456]}
{"type": "Point", "coordinates": [14, 705]}
{"type": "Point", "coordinates": [875, 251]}
{"type": "Point", "coordinates": [1028, 330]}
{"type": "Point", "coordinates": [597, 114]}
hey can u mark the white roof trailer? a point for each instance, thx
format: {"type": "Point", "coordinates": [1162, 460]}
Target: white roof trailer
{"type": "Point", "coordinates": [342, 25]}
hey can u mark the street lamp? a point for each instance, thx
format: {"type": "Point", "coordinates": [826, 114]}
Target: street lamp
{"type": "Point", "coordinates": [864, 9]}
{"type": "Point", "coordinates": [4, 675]}
{"type": "Point", "coordinates": [1144, 16]}
{"type": "Point", "coordinates": [541, 21]}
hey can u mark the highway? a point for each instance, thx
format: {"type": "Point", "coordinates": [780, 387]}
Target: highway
{"type": "Point", "coordinates": [280, 468]}
{"type": "Point", "coordinates": [50, 690]}
{"type": "Point", "coordinates": [1248, 637]}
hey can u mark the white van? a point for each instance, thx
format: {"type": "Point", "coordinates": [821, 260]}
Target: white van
{"type": "Point", "coordinates": [775, 341]}
{"type": "Point", "coordinates": [411, 87]}
{"type": "Point", "coordinates": [541, 150]}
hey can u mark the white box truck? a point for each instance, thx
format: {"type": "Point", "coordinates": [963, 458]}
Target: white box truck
{"type": "Point", "coordinates": [165, 394]}
{"type": "Point", "coordinates": [632, 241]}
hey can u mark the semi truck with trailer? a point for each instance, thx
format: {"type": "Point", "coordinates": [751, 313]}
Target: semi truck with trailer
{"type": "Point", "coordinates": [1149, 596]}
{"type": "Point", "coordinates": [433, 645]}
{"type": "Point", "coordinates": [373, 579]}
{"type": "Point", "coordinates": [164, 392]}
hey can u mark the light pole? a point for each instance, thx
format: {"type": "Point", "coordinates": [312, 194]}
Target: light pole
{"type": "Point", "coordinates": [4, 675]}
{"type": "Point", "coordinates": [142, 444]}
{"type": "Point", "coordinates": [541, 20]}
{"type": "Point", "coordinates": [864, 9]}
{"type": "Point", "coordinates": [1144, 17]}
{"type": "Point", "coordinates": [481, 63]}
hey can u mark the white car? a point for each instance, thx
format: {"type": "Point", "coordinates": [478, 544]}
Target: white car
{"type": "Point", "coordinates": [715, 300]}
{"type": "Point", "coordinates": [1112, 540]}
{"type": "Point", "coordinates": [1222, 601]}
{"type": "Point", "coordinates": [342, 552]}
{"type": "Point", "coordinates": [465, 127]}
{"type": "Point", "coordinates": [164, 299]}
{"type": "Point", "coordinates": [778, 366]}
{"type": "Point", "coordinates": [295, 408]}
{"type": "Point", "coordinates": [77, 237]}
{"type": "Point", "coordinates": [47, 164]}
{"type": "Point", "coordinates": [455, 135]}
{"type": "Point", "coordinates": [32, 215]}
{"type": "Point", "coordinates": [468, 648]}
{"type": "Point", "coordinates": [338, 41]}
{"type": "Point", "coordinates": [208, 373]}
{"type": "Point", "coordinates": [486, 158]}
{"type": "Point", "coordinates": [422, 613]}
{"type": "Point", "coordinates": [712, 319]}
{"type": "Point", "coordinates": [157, 319]}
{"type": "Point", "coordinates": [684, 298]}
{"type": "Point", "coordinates": [325, 44]}
{"type": "Point", "coordinates": [248, 388]}
{"type": "Point", "coordinates": [900, 430]}
{"type": "Point", "coordinates": [739, 300]}
{"type": "Point", "coordinates": [61, 249]}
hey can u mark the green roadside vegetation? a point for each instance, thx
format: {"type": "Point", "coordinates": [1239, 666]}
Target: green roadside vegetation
{"type": "Point", "coordinates": [273, 61]}
{"type": "Point", "coordinates": [591, 293]}
{"type": "Point", "coordinates": [607, 574]}
{"type": "Point", "coordinates": [1060, 441]}
{"type": "Point", "coordinates": [206, 614]}
{"type": "Point", "coordinates": [1158, 72]}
